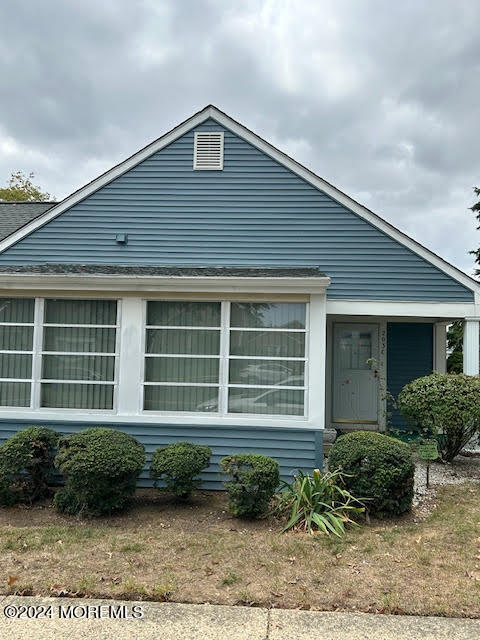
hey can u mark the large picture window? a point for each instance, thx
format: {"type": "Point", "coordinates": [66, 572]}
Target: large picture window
{"type": "Point", "coordinates": [78, 355]}
{"type": "Point", "coordinates": [58, 354]}
{"type": "Point", "coordinates": [16, 351]}
{"type": "Point", "coordinates": [182, 359]}
{"type": "Point", "coordinates": [223, 357]}
{"type": "Point", "coordinates": [267, 358]}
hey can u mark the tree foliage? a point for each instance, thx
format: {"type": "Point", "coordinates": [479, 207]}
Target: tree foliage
{"type": "Point", "coordinates": [20, 188]}
{"type": "Point", "coordinates": [476, 211]}
{"type": "Point", "coordinates": [455, 347]}
{"type": "Point", "coordinates": [455, 331]}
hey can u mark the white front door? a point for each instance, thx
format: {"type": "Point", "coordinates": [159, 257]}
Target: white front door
{"type": "Point", "coordinates": [355, 381]}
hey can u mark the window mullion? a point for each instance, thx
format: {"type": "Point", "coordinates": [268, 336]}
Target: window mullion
{"type": "Point", "coordinates": [224, 354]}
{"type": "Point", "coordinates": [37, 351]}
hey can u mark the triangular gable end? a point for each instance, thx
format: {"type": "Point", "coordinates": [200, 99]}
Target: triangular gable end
{"type": "Point", "coordinates": [315, 217]}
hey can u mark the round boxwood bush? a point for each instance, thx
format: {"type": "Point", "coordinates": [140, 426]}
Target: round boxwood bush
{"type": "Point", "coordinates": [177, 464]}
{"type": "Point", "coordinates": [445, 406]}
{"type": "Point", "coordinates": [254, 481]}
{"type": "Point", "coordinates": [100, 467]}
{"type": "Point", "coordinates": [377, 467]}
{"type": "Point", "coordinates": [26, 465]}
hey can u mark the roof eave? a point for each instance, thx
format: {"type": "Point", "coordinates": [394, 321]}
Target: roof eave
{"type": "Point", "coordinates": [140, 283]}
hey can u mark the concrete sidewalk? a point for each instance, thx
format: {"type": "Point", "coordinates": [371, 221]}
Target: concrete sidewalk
{"type": "Point", "coordinates": [169, 621]}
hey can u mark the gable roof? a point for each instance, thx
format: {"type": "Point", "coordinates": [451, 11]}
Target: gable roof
{"type": "Point", "coordinates": [222, 118]}
{"type": "Point", "coordinates": [14, 215]}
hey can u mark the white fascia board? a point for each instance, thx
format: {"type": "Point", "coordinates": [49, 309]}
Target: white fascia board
{"type": "Point", "coordinates": [400, 309]}
{"type": "Point", "coordinates": [200, 284]}
{"type": "Point", "coordinates": [237, 128]}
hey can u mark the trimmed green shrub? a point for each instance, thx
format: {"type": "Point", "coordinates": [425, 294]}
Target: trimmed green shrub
{"type": "Point", "coordinates": [254, 481]}
{"type": "Point", "coordinates": [26, 465]}
{"type": "Point", "coordinates": [177, 465]}
{"type": "Point", "coordinates": [377, 469]}
{"type": "Point", "coordinates": [100, 467]}
{"type": "Point", "coordinates": [445, 406]}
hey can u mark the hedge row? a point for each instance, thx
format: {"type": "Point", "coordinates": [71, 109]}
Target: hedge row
{"type": "Point", "coordinates": [101, 467]}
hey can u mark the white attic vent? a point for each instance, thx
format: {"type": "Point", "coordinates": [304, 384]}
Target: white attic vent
{"type": "Point", "coordinates": [208, 150]}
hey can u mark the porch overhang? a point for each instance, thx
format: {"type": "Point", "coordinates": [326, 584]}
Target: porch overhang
{"type": "Point", "coordinates": [91, 278]}
{"type": "Point", "coordinates": [438, 311]}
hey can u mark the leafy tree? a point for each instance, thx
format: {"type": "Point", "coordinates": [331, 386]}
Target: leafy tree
{"type": "Point", "coordinates": [455, 331]}
{"type": "Point", "coordinates": [476, 211]}
{"type": "Point", "coordinates": [455, 347]}
{"type": "Point", "coordinates": [20, 188]}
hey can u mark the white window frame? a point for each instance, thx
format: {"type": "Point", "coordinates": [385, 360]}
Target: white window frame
{"type": "Point", "coordinates": [37, 353]}
{"type": "Point", "coordinates": [22, 352]}
{"type": "Point", "coordinates": [224, 356]}
{"type": "Point", "coordinates": [131, 309]}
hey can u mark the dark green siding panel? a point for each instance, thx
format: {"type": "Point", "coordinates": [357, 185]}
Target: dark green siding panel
{"type": "Point", "coordinates": [409, 356]}
{"type": "Point", "coordinates": [255, 212]}
{"type": "Point", "coordinates": [292, 448]}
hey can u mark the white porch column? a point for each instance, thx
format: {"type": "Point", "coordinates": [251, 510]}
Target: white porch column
{"type": "Point", "coordinates": [317, 360]}
{"type": "Point", "coordinates": [440, 348]}
{"type": "Point", "coordinates": [471, 346]}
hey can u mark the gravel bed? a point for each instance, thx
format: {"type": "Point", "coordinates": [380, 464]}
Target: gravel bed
{"type": "Point", "coordinates": [463, 469]}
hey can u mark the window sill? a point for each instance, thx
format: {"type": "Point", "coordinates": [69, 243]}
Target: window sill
{"type": "Point", "coordinates": [155, 418]}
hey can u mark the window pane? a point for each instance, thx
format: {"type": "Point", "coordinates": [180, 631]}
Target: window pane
{"type": "Point", "coordinates": [267, 343]}
{"type": "Point", "coordinates": [183, 314]}
{"type": "Point", "coordinates": [15, 394]}
{"type": "Point", "coordinates": [16, 338]}
{"type": "Point", "coordinates": [13, 365]}
{"type": "Point", "coordinates": [17, 309]}
{"type": "Point", "coordinates": [79, 339]}
{"type": "Point", "coordinates": [187, 341]}
{"type": "Point", "coordinates": [275, 315]}
{"type": "Point", "coordinates": [81, 311]}
{"type": "Point", "coordinates": [77, 396]}
{"type": "Point", "coordinates": [100, 368]}
{"type": "Point", "coordinates": [181, 370]}
{"type": "Point", "coordinates": [286, 372]}
{"type": "Point", "coordinates": [204, 399]}
{"type": "Point", "coordinates": [266, 401]}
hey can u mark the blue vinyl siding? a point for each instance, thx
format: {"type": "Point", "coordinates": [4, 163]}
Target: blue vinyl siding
{"type": "Point", "coordinates": [409, 356]}
{"type": "Point", "coordinates": [292, 448]}
{"type": "Point", "coordinates": [255, 212]}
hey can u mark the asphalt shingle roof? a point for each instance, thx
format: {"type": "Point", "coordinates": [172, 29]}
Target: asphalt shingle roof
{"type": "Point", "coordinates": [187, 272]}
{"type": "Point", "coordinates": [14, 215]}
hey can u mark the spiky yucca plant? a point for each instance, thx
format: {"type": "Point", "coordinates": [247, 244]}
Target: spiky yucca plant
{"type": "Point", "coordinates": [318, 502]}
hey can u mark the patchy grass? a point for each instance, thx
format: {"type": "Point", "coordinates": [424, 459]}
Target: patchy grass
{"type": "Point", "coordinates": [231, 578]}
{"type": "Point", "coordinates": [195, 552]}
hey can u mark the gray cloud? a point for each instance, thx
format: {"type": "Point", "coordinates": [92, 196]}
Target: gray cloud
{"type": "Point", "coordinates": [379, 98]}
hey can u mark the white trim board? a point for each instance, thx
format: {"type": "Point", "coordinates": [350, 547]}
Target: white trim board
{"type": "Point", "coordinates": [401, 309]}
{"type": "Point", "coordinates": [121, 283]}
{"type": "Point", "coordinates": [223, 119]}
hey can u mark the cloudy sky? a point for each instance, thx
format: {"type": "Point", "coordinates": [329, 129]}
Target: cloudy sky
{"type": "Point", "coordinates": [379, 98]}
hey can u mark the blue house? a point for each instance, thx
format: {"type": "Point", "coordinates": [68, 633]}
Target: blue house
{"type": "Point", "coordinates": [211, 288]}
